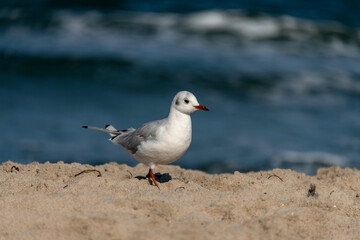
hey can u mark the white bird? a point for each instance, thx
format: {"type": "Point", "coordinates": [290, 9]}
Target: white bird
{"type": "Point", "coordinates": [162, 141]}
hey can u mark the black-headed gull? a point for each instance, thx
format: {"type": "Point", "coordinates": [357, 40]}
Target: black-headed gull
{"type": "Point", "coordinates": [162, 141]}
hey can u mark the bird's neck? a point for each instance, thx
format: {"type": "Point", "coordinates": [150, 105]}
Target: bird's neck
{"type": "Point", "coordinates": [179, 118]}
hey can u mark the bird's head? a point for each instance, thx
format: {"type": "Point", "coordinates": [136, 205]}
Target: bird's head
{"type": "Point", "coordinates": [187, 103]}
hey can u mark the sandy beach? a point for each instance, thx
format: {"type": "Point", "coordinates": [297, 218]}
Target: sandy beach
{"type": "Point", "coordinates": [50, 201]}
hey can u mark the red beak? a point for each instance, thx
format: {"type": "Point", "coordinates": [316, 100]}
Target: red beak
{"type": "Point", "coordinates": [201, 107]}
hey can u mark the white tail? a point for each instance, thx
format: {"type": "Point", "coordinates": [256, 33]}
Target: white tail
{"type": "Point", "coordinates": [108, 129]}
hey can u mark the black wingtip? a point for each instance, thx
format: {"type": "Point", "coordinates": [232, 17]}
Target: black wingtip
{"type": "Point", "coordinates": [107, 125]}
{"type": "Point", "coordinates": [84, 126]}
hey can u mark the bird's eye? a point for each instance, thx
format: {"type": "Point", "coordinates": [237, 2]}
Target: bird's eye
{"type": "Point", "coordinates": [186, 101]}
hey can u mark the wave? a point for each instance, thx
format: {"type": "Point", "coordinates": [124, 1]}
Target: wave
{"type": "Point", "coordinates": [324, 158]}
{"type": "Point", "coordinates": [271, 57]}
{"type": "Point", "coordinates": [232, 28]}
{"type": "Point", "coordinates": [307, 162]}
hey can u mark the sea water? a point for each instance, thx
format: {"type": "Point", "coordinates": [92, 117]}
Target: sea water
{"type": "Point", "coordinates": [282, 83]}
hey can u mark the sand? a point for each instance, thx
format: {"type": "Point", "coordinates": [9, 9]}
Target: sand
{"type": "Point", "coordinates": [47, 201]}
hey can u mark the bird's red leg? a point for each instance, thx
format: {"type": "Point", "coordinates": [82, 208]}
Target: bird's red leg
{"type": "Point", "coordinates": [152, 177]}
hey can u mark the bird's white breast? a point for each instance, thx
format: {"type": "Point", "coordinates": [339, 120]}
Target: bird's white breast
{"type": "Point", "coordinates": [171, 142]}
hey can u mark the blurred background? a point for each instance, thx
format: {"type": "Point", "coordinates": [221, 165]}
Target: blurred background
{"type": "Point", "coordinates": [281, 78]}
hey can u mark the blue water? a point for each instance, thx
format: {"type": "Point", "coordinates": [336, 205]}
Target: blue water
{"type": "Point", "coordinates": [281, 78]}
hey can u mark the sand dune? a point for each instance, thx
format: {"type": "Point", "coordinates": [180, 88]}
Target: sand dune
{"type": "Point", "coordinates": [47, 201]}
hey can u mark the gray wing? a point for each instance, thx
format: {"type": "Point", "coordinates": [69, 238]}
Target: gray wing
{"type": "Point", "coordinates": [131, 140]}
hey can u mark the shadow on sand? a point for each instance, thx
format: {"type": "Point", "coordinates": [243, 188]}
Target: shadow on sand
{"type": "Point", "coordinates": [160, 178]}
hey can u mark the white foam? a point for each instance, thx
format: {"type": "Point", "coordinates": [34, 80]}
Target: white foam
{"type": "Point", "coordinates": [324, 158]}
{"type": "Point", "coordinates": [313, 87]}
{"type": "Point", "coordinates": [207, 20]}
{"type": "Point", "coordinates": [234, 22]}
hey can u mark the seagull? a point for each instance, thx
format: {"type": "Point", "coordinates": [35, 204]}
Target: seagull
{"type": "Point", "coordinates": [162, 141]}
